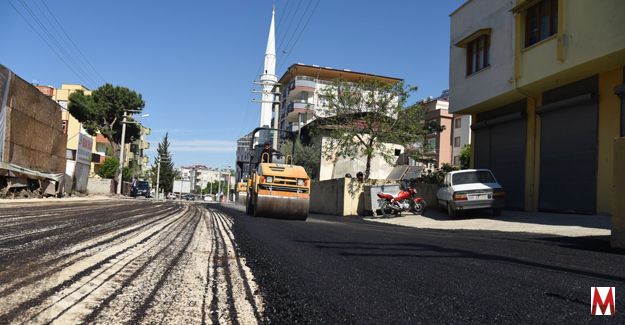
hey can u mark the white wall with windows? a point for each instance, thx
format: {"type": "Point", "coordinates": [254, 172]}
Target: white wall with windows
{"type": "Point", "coordinates": [481, 52]}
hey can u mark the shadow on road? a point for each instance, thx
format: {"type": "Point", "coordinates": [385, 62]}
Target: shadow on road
{"type": "Point", "coordinates": [420, 250]}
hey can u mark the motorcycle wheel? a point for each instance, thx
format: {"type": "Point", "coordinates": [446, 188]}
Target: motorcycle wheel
{"type": "Point", "coordinates": [385, 209]}
{"type": "Point", "coordinates": [418, 208]}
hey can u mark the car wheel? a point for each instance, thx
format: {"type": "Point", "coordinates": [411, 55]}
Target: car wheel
{"type": "Point", "coordinates": [497, 212]}
{"type": "Point", "coordinates": [450, 211]}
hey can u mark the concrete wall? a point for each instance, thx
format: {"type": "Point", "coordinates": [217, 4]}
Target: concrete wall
{"type": "Point", "coordinates": [339, 197]}
{"type": "Point", "coordinates": [34, 136]}
{"type": "Point", "coordinates": [466, 91]}
{"type": "Point", "coordinates": [618, 214]}
{"type": "Point", "coordinates": [99, 186]}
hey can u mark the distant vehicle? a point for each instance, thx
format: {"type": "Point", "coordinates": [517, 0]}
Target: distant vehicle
{"type": "Point", "coordinates": [141, 189]}
{"type": "Point", "coordinates": [470, 189]}
{"type": "Point", "coordinates": [171, 196]}
{"type": "Point", "coordinates": [188, 197]}
{"type": "Point", "coordinates": [208, 198]}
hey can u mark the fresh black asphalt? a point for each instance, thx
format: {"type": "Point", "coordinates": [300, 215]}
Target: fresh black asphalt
{"type": "Point", "coordinates": [333, 270]}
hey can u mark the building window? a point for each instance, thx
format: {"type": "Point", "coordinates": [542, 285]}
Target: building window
{"type": "Point", "coordinates": [64, 126]}
{"type": "Point", "coordinates": [456, 160]}
{"type": "Point", "coordinates": [457, 142]}
{"type": "Point", "coordinates": [458, 123]}
{"type": "Point", "coordinates": [477, 54]}
{"type": "Point", "coordinates": [541, 21]}
{"type": "Point", "coordinates": [432, 144]}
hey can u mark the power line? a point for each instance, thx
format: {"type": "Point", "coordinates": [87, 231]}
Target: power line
{"type": "Point", "coordinates": [58, 44]}
{"type": "Point", "coordinates": [290, 20]}
{"type": "Point", "coordinates": [73, 43]}
{"type": "Point", "coordinates": [54, 50]}
{"type": "Point", "coordinates": [280, 17]}
{"type": "Point", "coordinates": [288, 53]}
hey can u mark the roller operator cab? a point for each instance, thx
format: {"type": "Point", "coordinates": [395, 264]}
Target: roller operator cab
{"type": "Point", "coordinates": [278, 188]}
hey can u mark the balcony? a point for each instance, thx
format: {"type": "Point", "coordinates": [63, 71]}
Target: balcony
{"type": "Point", "coordinates": [295, 108]}
{"type": "Point", "coordinates": [300, 84]}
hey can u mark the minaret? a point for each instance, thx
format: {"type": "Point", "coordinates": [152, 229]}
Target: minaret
{"type": "Point", "coordinates": [268, 78]}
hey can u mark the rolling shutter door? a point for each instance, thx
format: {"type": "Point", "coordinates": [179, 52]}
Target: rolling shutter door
{"type": "Point", "coordinates": [500, 147]}
{"type": "Point", "coordinates": [568, 155]}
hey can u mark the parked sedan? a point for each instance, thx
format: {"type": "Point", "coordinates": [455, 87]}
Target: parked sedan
{"type": "Point", "coordinates": [470, 189]}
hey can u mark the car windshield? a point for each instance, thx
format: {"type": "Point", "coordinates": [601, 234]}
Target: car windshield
{"type": "Point", "coordinates": [480, 176]}
{"type": "Point", "coordinates": [143, 185]}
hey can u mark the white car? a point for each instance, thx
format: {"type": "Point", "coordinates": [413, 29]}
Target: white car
{"type": "Point", "coordinates": [470, 189]}
{"type": "Point", "coordinates": [208, 198]}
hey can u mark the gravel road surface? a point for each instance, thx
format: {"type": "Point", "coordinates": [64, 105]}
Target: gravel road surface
{"type": "Point", "coordinates": [116, 262]}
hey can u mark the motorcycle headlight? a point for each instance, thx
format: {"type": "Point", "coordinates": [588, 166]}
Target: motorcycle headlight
{"type": "Point", "coordinates": [300, 182]}
{"type": "Point", "coordinates": [268, 179]}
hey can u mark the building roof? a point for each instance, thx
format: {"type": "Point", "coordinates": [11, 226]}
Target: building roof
{"type": "Point", "coordinates": [328, 73]}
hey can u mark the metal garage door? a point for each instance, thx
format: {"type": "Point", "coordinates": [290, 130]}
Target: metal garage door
{"type": "Point", "coordinates": [568, 155]}
{"type": "Point", "coordinates": [500, 147]}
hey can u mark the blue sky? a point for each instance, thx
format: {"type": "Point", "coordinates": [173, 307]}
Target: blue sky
{"type": "Point", "coordinates": [194, 61]}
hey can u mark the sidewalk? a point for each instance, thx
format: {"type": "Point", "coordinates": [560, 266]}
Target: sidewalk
{"type": "Point", "coordinates": [569, 225]}
{"type": "Point", "coordinates": [8, 202]}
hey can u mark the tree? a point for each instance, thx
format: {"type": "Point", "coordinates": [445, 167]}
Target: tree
{"type": "Point", "coordinates": [306, 156]}
{"type": "Point", "coordinates": [103, 111]}
{"type": "Point", "coordinates": [109, 167]}
{"type": "Point", "coordinates": [465, 156]}
{"type": "Point", "coordinates": [366, 115]}
{"type": "Point", "coordinates": [167, 173]}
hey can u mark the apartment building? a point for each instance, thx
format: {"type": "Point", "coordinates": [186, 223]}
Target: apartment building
{"type": "Point", "coordinates": [302, 86]}
{"type": "Point", "coordinates": [541, 80]}
{"type": "Point", "coordinates": [439, 144]}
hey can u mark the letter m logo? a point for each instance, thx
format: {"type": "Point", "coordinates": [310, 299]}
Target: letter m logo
{"type": "Point", "coordinates": [602, 297]}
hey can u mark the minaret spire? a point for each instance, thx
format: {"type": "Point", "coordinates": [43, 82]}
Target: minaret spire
{"type": "Point", "coordinates": [269, 78]}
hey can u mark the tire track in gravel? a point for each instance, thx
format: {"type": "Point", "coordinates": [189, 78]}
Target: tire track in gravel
{"type": "Point", "coordinates": [165, 263]}
{"type": "Point", "coordinates": [118, 307]}
{"type": "Point", "coordinates": [141, 311]}
{"type": "Point", "coordinates": [103, 282]}
{"type": "Point", "coordinates": [244, 282]}
{"type": "Point", "coordinates": [94, 262]}
{"type": "Point", "coordinates": [94, 283]}
{"type": "Point", "coordinates": [47, 268]}
{"type": "Point", "coordinates": [68, 245]}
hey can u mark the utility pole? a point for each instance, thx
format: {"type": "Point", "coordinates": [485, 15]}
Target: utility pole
{"type": "Point", "coordinates": [123, 144]}
{"type": "Point", "coordinates": [158, 174]}
{"type": "Point", "coordinates": [121, 156]}
{"type": "Point", "coordinates": [228, 186]}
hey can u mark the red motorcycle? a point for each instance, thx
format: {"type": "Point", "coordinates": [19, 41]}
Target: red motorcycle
{"type": "Point", "coordinates": [405, 200]}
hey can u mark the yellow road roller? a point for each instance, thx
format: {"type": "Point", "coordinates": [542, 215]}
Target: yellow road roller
{"type": "Point", "coordinates": [276, 187]}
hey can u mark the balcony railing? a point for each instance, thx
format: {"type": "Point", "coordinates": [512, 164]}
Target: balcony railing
{"type": "Point", "coordinates": [299, 105]}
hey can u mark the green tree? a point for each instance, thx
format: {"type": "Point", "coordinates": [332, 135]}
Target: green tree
{"type": "Point", "coordinates": [465, 156]}
{"type": "Point", "coordinates": [109, 167]}
{"type": "Point", "coordinates": [103, 111]}
{"type": "Point", "coordinates": [167, 173]}
{"type": "Point", "coordinates": [366, 115]}
{"type": "Point", "coordinates": [306, 156]}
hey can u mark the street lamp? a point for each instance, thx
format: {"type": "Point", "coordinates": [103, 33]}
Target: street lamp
{"type": "Point", "coordinates": [122, 149]}
{"type": "Point", "coordinates": [228, 186]}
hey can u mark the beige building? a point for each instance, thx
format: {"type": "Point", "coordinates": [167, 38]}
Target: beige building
{"type": "Point", "coordinates": [542, 80]}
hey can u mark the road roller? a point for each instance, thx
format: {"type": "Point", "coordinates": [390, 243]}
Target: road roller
{"type": "Point", "coordinates": [276, 188]}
